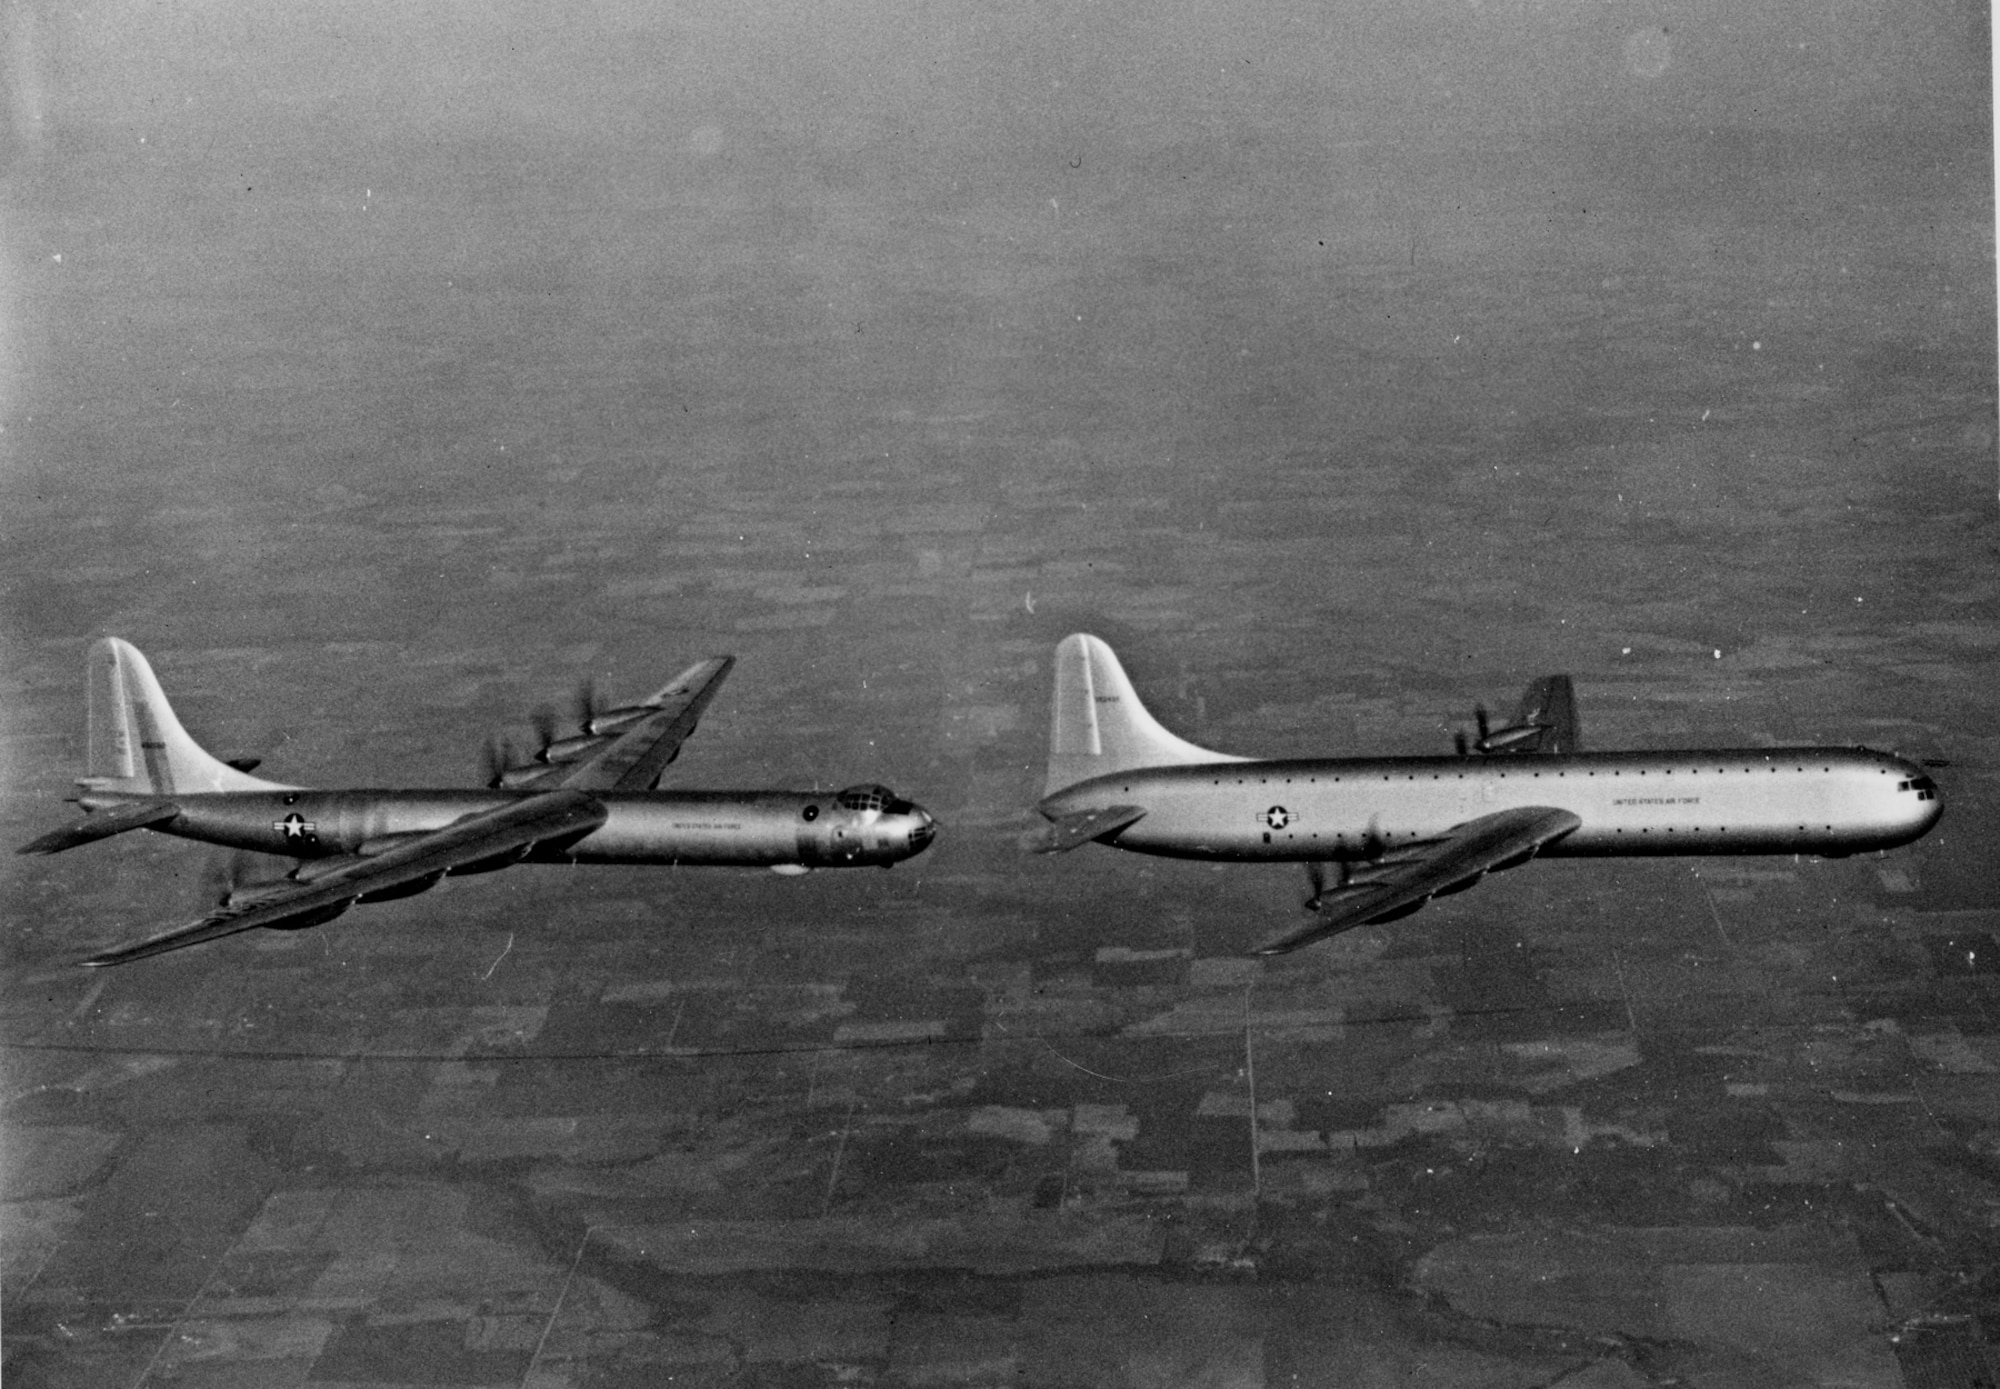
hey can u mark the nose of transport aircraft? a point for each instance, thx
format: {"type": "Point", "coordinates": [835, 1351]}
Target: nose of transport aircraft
{"type": "Point", "coordinates": [1918, 804]}
{"type": "Point", "coordinates": [923, 829]}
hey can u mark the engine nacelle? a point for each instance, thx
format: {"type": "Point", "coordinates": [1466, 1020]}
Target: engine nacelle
{"type": "Point", "coordinates": [242, 898]}
{"type": "Point", "coordinates": [612, 720]}
{"type": "Point", "coordinates": [401, 890]}
{"type": "Point", "coordinates": [312, 918]}
{"type": "Point", "coordinates": [1515, 737]}
{"type": "Point", "coordinates": [567, 749]}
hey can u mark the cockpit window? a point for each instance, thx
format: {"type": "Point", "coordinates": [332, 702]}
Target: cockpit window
{"type": "Point", "coordinates": [864, 798]}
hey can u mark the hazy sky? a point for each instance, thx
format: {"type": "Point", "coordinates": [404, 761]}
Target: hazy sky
{"type": "Point", "coordinates": [937, 72]}
{"type": "Point", "coordinates": [250, 248]}
{"type": "Point", "coordinates": [907, 93]}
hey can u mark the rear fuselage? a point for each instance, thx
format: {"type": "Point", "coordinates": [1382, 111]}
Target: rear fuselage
{"type": "Point", "coordinates": [743, 828]}
{"type": "Point", "coordinates": [1811, 800]}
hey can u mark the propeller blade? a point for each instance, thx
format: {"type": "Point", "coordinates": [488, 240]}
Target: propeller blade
{"type": "Point", "coordinates": [586, 702]}
{"type": "Point", "coordinates": [225, 875]}
{"type": "Point", "coordinates": [1316, 878]}
{"type": "Point", "coordinates": [218, 878]}
{"type": "Point", "coordinates": [543, 720]}
{"type": "Point", "coordinates": [1458, 741]}
{"type": "Point", "coordinates": [1372, 843]}
{"type": "Point", "coordinates": [496, 759]}
{"type": "Point", "coordinates": [1485, 725]}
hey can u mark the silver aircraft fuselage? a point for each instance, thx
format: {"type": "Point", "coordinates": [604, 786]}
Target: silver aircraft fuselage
{"type": "Point", "coordinates": [1808, 800]}
{"type": "Point", "coordinates": [769, 829]}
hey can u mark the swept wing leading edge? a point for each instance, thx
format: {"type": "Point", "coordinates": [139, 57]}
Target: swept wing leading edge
{"type": "Point", "coordinates": [634, 759]}
{"type": "Point", "coordinates": [487, 834]}
{"type": "Point", "coordinates": [1409, 873]}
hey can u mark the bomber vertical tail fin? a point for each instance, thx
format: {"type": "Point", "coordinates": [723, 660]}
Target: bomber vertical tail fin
{"type": "Point", "coordinates": [136, 743]}
{"type": "Point", "coordinates": [1550, 703]}
{"type": "Point", "coordinates": [1097, 726]}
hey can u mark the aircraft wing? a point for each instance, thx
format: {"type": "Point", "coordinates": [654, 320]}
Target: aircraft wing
{"type": "Point", "coordinates": [1070, 831]}
{"type": "Point", "coordinates": [1408, 875]}
{"type": "Point", "coordinates": [487, 834]}
{"type": "Point", "coordinates": [634, 759]}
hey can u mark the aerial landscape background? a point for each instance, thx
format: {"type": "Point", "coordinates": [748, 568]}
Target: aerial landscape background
{"type": "Point", "coordinates": [383, 370]}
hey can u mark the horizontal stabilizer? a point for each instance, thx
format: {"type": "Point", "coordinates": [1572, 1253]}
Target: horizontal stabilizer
{"type": "Point", "coordinates": [137, 815]}
{"type": "Point", "coordinates": [1071, 831]}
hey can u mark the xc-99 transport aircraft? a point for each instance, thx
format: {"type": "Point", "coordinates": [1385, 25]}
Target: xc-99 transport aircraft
{"type": "Point", "coordinates": [586, 798]}
{"type": "Point", "coordinates": [1402, 830]}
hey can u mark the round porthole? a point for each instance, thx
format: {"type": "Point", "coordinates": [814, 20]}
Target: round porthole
{"type": "Point", "coordinates": [810, 813]}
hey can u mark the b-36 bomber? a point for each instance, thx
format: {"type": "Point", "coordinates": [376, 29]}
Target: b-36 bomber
{"type": "Point", "coordinates": [588, 798]}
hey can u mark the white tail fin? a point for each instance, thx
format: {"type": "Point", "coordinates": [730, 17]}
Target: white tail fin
{"type": "Point", "coordinates": [136, 743]}
{"type": "Point", "coordinates": [1097, 725]}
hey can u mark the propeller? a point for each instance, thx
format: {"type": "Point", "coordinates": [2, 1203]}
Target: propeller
{"type": "Point", "coordinates": [1464, 746]}
{"type": "Point", "coordinates": [496, 759]}
{"type": "Point", "coordinates": [1507, 738]}
{"type": "Point", "coordinates": [544, 721]}
{"type": "Point", "coordinates": [224, 876]}
{"type": "Point", "coordinates": [586, 702]}
{"type": "Point", "coordinates": [1373, 846]}
{"type": "Point", "coordinates": [1316, 881]}
{"type": "Point", "coordinates": [220, 875]}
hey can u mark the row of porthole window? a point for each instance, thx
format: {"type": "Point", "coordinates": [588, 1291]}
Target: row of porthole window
{"type": "Point", "coordinates": [1697, 829]}
{"type": "Point", "coordinates": [1691, 829]}
{"type": "Point", "coordinates": [1439, 776]}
